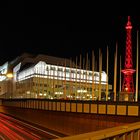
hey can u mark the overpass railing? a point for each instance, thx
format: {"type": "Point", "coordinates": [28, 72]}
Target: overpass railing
{"type": "Point", "coordinates": [93, 107]}
{"type": "Point", "coordinates": [127, 132]}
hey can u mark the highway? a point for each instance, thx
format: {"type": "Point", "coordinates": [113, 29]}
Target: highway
{"type": "Point", "coordinates": [13, 129]}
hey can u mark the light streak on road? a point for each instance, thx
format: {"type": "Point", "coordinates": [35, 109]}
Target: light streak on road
{"type": "Point", "coordinates": [13, 129]}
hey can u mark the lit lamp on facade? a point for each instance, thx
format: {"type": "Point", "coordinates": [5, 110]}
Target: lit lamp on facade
{"type": "Point", "coordinates": [9, 75]}
{"type": "Point", "coordinates": [126, 89]}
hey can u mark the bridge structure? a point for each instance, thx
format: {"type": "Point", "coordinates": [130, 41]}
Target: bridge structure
{"type": "Point", "coordinates": [77, 119]}
{"type": "Point", "coordinates": [75, 104]}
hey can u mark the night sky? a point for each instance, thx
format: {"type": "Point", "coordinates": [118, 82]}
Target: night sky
{"type": "Point", "coordinates": [25, 29]}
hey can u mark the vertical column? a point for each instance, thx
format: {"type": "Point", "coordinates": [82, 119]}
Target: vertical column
{"type": "Point", "coordinates": [84, 79]}
{"type": "Point", "coordinates": [137, 68]}
{"type": "Point", "coordinates": [53, 82]}
{"type": "Point", "coordinates": [57, 82]}
{"type": "Point", "coordinates": [107, 74]}
{"type": "Point", "coordinates": [86, 76]}
{"type": "Point", "coordinates": [80, 77]}
{"type": "Point", "coordinates": [37, 83]}
{"type": "Point", "coordinates": [76, 81]}
{"type": "Point", "coordinates": [92, 75]}
{"type": "Point", "coordinates": [43, 76]}
{"type": "Point", "coordinates": [120, 75]}
{"type": "Point", "coordinates": [65, 80]}
{"type": "Point", "coordinates": [115, 74]}
{"type": "Point", "coordinates": [70, 80]}
{"type": "Point", "coordinates": [39, 74]}
{"type": "Point", "coordinates": [30, 83]}
{"type": "Point", "coordinates": [100, 71]}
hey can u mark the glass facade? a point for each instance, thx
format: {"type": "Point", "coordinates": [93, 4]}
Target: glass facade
{"type": "Point", "coordinates": [57, 82]}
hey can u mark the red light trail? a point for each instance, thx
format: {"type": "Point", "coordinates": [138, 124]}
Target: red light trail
{"type": "Point", "coordinates": [12, 129]}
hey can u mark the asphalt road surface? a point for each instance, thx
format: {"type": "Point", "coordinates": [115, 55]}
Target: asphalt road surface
{"type": "Point", "coordinates": [13, 129]}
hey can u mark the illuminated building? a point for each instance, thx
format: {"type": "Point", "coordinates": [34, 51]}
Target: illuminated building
{"type": "Point", "coordinates": [128, 71]}
{"type": "Point", "coordinates": [128, 84]}
{"type": "Point", "coordinates": [44, 76]}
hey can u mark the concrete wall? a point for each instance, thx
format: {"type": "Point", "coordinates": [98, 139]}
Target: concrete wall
{"type": "Point", "coordinates": [77, 106]}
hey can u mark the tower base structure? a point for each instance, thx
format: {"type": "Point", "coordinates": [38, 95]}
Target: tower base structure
{"type": "Point", "coordinates": [126, 96]}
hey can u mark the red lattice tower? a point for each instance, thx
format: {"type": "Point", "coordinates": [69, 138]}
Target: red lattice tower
{"type": "Point", "coordinates": [128, 71]}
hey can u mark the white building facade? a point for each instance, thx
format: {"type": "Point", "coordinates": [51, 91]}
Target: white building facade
{"type": "Point", "coordinates": [41, 79]}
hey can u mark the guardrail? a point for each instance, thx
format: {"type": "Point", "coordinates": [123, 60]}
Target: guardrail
{"type": "Point", "coordinates": [92, 107]}
{"type": "Point", "coordinates": [126, 132]}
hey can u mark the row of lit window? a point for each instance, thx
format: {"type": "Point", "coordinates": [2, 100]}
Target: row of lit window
{"type": "Point", "coordinates": [71, 71]}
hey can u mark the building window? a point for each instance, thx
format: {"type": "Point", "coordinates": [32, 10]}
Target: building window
{"type": "Point", "coordinates": [52, 68]}
{"type": "Point", "coordinates": [47, 68]}
{"type": "Point", "coordinates": [72, 71]}
{"type": "Point", "coordinates": [90, 73]}
{"type": "Point", "coordinates": [60, 69]}
{"type": "Point", "coordinates": [96, 74]}
{"type": "Point", "coordinates": [84, 73]}
{"type": "Point", "coordinates": [67, 70]}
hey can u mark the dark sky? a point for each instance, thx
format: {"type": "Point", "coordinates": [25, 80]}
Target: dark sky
{"type": "Point", "coordinates": [25, 29]}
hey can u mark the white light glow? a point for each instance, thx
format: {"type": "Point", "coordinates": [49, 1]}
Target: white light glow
{"type": "Point", "coordinates": [28, 92]}
{"type": "Point", "coordinates": [3, 71]}
{"type": "Point", "coordinates": [9, 75]}
{"type": "Point", "coordinates": [81, 91]}
{"type": "Point", "coordinates": [60, 93]}
{"type": "Point", "coordinates": [43, 70]}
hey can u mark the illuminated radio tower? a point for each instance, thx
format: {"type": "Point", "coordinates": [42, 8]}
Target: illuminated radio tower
{"type": "Point", "coordinates": [128, 71]}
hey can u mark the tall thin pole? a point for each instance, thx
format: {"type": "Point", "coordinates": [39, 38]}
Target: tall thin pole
{"type": "Point", "coordinates": [84, 79]}
{"type": "Point", "coordinates": [53, 83]}
{"type": "Point", "coordinates": [88, 81]}
{"type": "Point", "coordinates": [76, 81]}
{"type": "Point", "coordinates": [92, 75]}
{"type": "Point", "coordinates": [40, 94]}
{"type": "Point", "coordinates": [87, 75]}
{"type": "Point", "coordinates": [73, 79]}
{"type": "Point", "coordinates": [65, 81]}
{"type": "Point", "coordinates": [137, 68]}
{"type": "Point", "coordinates": [120, 75]}
{"type": "Point", "coordinates": [96, 86]}
{"type": "Point", "coordinates": [70, 79]}
{"type": "Point", "coordinates": [47, 81]}
{"type": "Point", "coordinates": [35, 85]}
{"type": "Point", "coordinates": [57, 81]}
{"type": "Point", "coordinates": [43, 78]}
{"type": "Point", "coordinates": [100, 70]}
{"type": "Point", "coordinates": [30, 83]}
{"type": "Point", "coordinates": [80, 73]}
{"type": "Point", "coordinates": [107, 74]}
{"type": "Point", "coordinates": [115, 74]}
